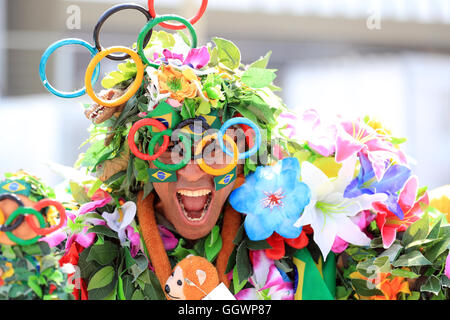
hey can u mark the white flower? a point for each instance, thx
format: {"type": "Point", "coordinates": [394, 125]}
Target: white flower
{"type": "Point", "coordinates": [121, 218]}
{"type": "Point", "coordinates": [328, 212]}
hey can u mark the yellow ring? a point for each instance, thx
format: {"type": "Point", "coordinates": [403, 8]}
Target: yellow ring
{"type": "Point", "coordinates": [216, 172]}
{"type": "Point", "coordinates": [131, 91]}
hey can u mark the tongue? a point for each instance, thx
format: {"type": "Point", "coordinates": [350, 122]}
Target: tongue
{"type": "Point", "coordinates": [194, 203]}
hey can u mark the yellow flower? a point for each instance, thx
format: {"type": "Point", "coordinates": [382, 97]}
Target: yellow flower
{"type": "Point", "coordinates": [378, 127]}
{"type": "Point", "coordinates": [440, 199]}
{"type": "Point", "coordinates": [8, 273]}
{"type": "Point", "coordinates": [181, 85]}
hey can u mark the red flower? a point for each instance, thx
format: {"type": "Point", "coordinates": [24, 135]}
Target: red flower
{"type": "Point", "coordinates": [51, 288]}
{"type": "Point", "coordinates": [72, 256]}
{"type": "Point", "coordinates": [277, 243]}
{"type": "Point", "coordinates": [388, 222]}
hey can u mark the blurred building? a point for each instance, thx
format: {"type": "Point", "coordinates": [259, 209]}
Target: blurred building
{"type": "Point", "coordinates": [388, 59]}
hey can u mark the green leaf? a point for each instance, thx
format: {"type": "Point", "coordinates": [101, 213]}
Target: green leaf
{"type": "Point", "coordinates": [140, 170]}
{"type": "Point", "coordinates": [362, 289]}
{"type": "Point", "coordinates": [445, 281]}
{"type": "Point", "coordinates": [237, 286]}
{"type": "Point", "coordinates": [434, 233]}
{"type": "Point", "coordinates": [342, 293]}
{"type": "Point", "coordinates": [137, 295]}
{"type": "Point", "coordinates": [437, 249]}
{"type": "Point", "coordinates": [184, 37]}
{"type": "Point", "coordinates": [188, 109]}
{"type": "Point", "coordinates": [103, 230]}
{"type": "Point", "coordinates": [258, 77]}
{"type": "Point", "coordinates": [414, 258]}
{"type": "Point", "coordinates": [243, 266]}
{"type": "Point", "coordinates": [78, 193]}
{"type": "Point", "coordinates": [432, 285]}
{"type": "Point", "coordinates": [8, 252]}
{"type": "Point", "coordinates": [102, 278]}
{"type": "Point", "coordinates": [415, 295]}
{"type": "Point", "coordinates": [39, 248]}
{"type": "Point", "coordinates": [417, 231]}
{"type": "Point", "coordinates": [228, 53]}
{"type": "Point", "coordinates": [213, 244]}
{"type": "Point", "coordinates": [33, 284]}
{"type": "Point", "coordinates": [258, 245]}
{"type": "Point", "coordinates": [404, 273]}
{"type": "Point", "coordinates": [104, 253]}
{"type": "Point", "coordinates": [261, 62]}
{"type": "Point", "coordinates": [383, 264]}
{"type": "Point", "coordinates": [392, 252]}
{"type": "Point", "coordinates": [203, 108]}
{"type": "Point", "coordinates": [87, 268]}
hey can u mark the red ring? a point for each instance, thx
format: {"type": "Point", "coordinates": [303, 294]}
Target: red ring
{"type": "Point", "coordinates": [147, 122]}
{"type": "Point", "coordinates": [42, 204]}
{"type": "Point", "coordinates": [151, 9]}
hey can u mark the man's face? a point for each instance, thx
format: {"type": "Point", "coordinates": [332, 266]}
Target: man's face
{"type": "Point", "coordinates": [191, 203]}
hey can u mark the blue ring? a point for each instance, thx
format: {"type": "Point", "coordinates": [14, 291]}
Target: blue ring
{"type": "Point", "coordinates": [233, 122]}
{"type": "Point", "coordinates": [52, 49]}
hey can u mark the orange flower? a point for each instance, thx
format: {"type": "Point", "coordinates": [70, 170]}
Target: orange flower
{"type": "Point", "coordinates": [181, 85]}
{"type": "Point", "coordinates": [391, 287]}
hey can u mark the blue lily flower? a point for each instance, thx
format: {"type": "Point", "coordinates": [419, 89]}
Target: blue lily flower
{"type": "Point", "coordinates": [393, 180]}
{"type": "Point", "coordinates": [273, 199]}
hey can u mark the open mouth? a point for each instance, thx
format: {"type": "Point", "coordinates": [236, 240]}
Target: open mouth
{"type": "Point", "coordinates": [194, 204]}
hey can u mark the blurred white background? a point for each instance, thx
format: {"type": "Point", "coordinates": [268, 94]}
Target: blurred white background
{"type": "Point", "coordinates": [386, 58]}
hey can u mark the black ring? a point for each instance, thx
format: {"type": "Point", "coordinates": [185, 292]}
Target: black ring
{"type": "Point", "coordinates": [109, 13]}
{"type": "Point", "coordinates": [190, 122]}
{"type": "Point", "coordinates": [18, 221]}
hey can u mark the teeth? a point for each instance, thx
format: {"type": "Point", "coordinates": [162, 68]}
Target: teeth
{"type": "Point", "coordinates": [205, 208]}
{"type": "Point", "coordinates": [195, 193]}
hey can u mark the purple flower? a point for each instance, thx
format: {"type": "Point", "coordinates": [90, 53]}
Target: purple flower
{"type": "Point", "coordinates": [196, 58]}
{"type": "Point", "coordinates": [135, 240]}
{"type": "Point", "coordinates": [393, 180]}
{"type": "Point", "coordinates": [169, 240]}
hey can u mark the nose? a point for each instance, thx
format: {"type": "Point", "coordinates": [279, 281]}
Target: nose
{"type": "Point", "coordinates": [191, 172]}
{"type": "Point", "coordinates": [167, 288]}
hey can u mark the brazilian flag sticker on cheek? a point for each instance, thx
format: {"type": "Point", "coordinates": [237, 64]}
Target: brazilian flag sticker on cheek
{"type": "Point", "coordinates": [224, 180]}
{"type": "Point", "coordinates": [16, 187]}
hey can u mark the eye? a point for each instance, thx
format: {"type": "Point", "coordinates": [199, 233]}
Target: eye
{"type": "Point", "coordinates": [179, 282]}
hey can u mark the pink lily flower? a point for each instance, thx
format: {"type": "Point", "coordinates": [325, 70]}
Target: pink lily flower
{"type": "Point", "coordinates": [320, 137]}
{"type": "Point", "coordinates": [389, 223]}
{"type": "Point", "coordinates": [447, 266]}
{"type": "Point", "coordinates": [267, 281]}
{"type": "Point", "coordinates": [356, 136]}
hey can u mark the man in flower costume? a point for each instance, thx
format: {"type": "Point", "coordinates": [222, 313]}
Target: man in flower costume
{"type": "Point", "coordinates": [196, 155]}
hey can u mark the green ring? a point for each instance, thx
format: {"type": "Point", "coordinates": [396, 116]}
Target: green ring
{"type": "Point", "coordinates": [17, 212]}
{"type": "Point", "coordinates": [171, 167]}
{"type": "Point", "coordinates": [151, 24]}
